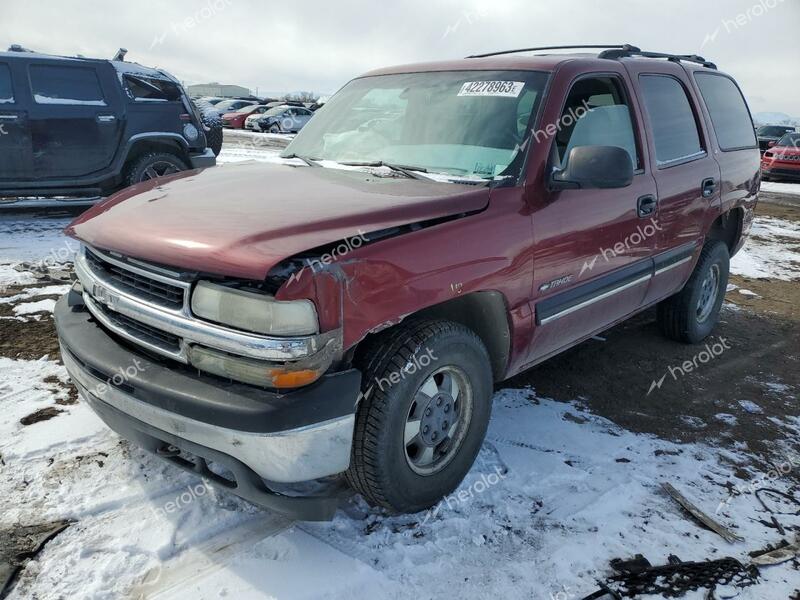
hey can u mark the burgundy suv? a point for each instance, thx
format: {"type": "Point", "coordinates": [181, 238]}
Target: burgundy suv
{"type": "Point", "coordinates": [437, 229]}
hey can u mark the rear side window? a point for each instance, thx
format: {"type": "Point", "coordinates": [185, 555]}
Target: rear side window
{"type": "Point", "coordinates": [147, 88]}
{"type": "Point", "coordinates": [66, 85]}
{"type": "Point", "coordinates": [672, 120]}
{"type": "Point", "coordinates": [6, 91]}
{"type": "Point", "coordinates": [732, 123]}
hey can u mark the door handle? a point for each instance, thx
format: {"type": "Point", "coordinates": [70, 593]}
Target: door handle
{"type": "Point", "coordinates": [709, 186]}
{"type": "Point", "coordinates": [646, 206]}
{"type": "Point", "coordinates": [106, 118]}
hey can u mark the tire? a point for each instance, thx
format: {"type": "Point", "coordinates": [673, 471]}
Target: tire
{"type": "Point", "coordinates": [154, 164]}
{"type": "Point", "coordinates": [691, 315]}
{"type": "Point", "coordinates": [274, 128]}
{"type": "Point", "coordinates": [213, 126]}
{"type": "Point", "coordinates": [385, 469]}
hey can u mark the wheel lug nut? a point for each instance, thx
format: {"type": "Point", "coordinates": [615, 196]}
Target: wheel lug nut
{"type": "Point", "coordinates": [425, 429]}
{"type": "Point", "coordinates": [439, 402]}
{"type": "Point", "coordinates": [434, 435]}
{"type": "Point", "coordinates": [428, 412]}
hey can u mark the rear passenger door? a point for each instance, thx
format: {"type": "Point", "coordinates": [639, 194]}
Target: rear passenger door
{"type": "Point", "coordinates": [687, 175]}
{"type": "Point", "coordinates": [15, 135]}
{"type": "Point", "coordinates": [734, 141]}
{"type": "Point", "coordinates": [74, 118]}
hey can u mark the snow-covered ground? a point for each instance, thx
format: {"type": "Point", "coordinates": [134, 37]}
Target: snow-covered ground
{"type": "Point", "coordinates": [772, 251]}
{"type": "Point", "coordinates": [555, 493]}
{"type": "Point", "coordinates": [781, 188]}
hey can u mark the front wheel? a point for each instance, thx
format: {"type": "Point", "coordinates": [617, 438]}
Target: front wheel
{"type": "Point", "coordinates": [275, 128]}
{"type": "Point", "coordinates": [426, 401]}
{"type": "Point", "coordinates": [690, 315]}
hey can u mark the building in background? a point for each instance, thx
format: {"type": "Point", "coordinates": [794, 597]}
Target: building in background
{"type": "Point", "coordinates": [217, 89]}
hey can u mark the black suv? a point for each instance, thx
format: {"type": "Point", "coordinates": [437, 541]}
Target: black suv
{"type": "Point", "coordinates": [87, 127]}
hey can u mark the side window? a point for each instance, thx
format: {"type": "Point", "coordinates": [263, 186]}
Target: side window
{"type": "Point", "coordinates": [66, 85]}
{"type": "Point", "coordinates": [596, 114]}
{"type": "Point", "coordinates": [729, 115]}
{"type": "Point", "coordinates": [672, 120]}
{"type": "Point", "coordinates": [6, 90]}
{"type": "Point", "coordinates": [146, 88]}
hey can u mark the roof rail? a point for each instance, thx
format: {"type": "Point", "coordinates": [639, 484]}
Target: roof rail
{"type": "Point", "coordinates": [617, 53]}
{"type": "Point", "coordinates": [582, 47]}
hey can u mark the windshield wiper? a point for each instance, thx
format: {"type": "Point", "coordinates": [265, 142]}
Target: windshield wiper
{"type": "Point", "coordinates": [309, 161]}
{"type": "Point", "coordinates": [412, 172]}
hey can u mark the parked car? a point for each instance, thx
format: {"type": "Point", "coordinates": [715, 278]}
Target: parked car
{"type": "Point", "coordinates": [227, 106]}
{"type": "Point", "coordinates": [782, 161]}
{"type": "Point", "coordinates": [346, 314]}
{"type": "Point", "coordinates": [282, 119]}
{"type": "Point", "coordinates": [212, 100]}
{"type": "Point", "coordinates": [768, 135]}
{"type": "Point", "coordinates": [87, 127]}
{"type": "Point", "coordinates": [235, 119]}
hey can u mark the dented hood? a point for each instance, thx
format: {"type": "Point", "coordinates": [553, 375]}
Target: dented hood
{"type": "Point", "coordinates": [241, 220]}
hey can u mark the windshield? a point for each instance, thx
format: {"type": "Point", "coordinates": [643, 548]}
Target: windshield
{"type": "Point", "coordinates": [248, 109]}
{"type": "Point", "coordinates": [464, 123]}
{"type": "Point", "coordinates": [772, 131]}
{"type": "Point", "coordinates": [790, 139]}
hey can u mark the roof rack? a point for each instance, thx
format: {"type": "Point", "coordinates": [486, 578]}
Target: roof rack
{"type": "Point", "coordinates": [583, 47]}
{"type": "Point", "coordinates": [612, 52]}
{"type": "Point", "coordinates": [628, 50]}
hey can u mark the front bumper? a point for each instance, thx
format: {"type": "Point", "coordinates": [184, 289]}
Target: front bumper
{"type": "Point", "coordinates": [257, 435]}
{"type": "Point", "coordinates": [204, 160]}
{"type": "Point", "coordinates": [780, 172]}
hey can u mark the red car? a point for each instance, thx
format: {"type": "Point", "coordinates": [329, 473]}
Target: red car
{"type": "Point", "coordinates": [235, 119]}
{"type": "Point", "coordinates": [345, 314]}
{"type": "Point", "coordinates": [782, 161]}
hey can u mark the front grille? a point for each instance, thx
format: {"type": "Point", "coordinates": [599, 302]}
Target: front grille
{"type": "Point", "coordinates": [142, 332]}
{"type": "Point", "coordinates": [140, 286]}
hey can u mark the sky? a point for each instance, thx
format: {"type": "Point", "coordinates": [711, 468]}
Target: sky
{"type": "Point", "coordinates": [277, 47]}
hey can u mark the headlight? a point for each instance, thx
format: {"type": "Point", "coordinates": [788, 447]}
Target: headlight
{"type": "Point", "coordinates": [257, 313]}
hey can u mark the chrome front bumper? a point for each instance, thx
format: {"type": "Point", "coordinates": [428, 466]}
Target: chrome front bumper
{"type": "Point", "coordinates": [291, 456]}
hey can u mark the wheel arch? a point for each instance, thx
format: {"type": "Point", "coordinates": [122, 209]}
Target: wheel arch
{"type": "Point", "coordinates": [728, 228]}
{"type": "Point", "coordinates": [145, 145]}
{"type": "Point", "coordinates": [484, 312]}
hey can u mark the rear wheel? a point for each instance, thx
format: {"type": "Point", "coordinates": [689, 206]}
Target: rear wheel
{"type": "Point", "coordinates": [426, 392]}
{"type": "Point", "coordinates": [153, 165]}
{"type": "Point", "coordinates": [691, 315]}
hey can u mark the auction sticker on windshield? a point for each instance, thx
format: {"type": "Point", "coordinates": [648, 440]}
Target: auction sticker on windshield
{"type": "Point", "coordinates": [508, 89]}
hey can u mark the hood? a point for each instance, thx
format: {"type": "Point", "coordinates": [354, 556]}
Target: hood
{"type": "Point", "coordinates": [241, 220]}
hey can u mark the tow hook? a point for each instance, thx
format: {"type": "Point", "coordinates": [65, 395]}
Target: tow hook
{"type": "Point", "coordinates": [167, 451]}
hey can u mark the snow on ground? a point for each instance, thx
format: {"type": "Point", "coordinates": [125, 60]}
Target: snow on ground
{"type": "Point", "coordinates": [772, 251]}
{"type": "Point", "coordinates": [555, 494]}
{"type": "Point", "coordinates": [781, 188]}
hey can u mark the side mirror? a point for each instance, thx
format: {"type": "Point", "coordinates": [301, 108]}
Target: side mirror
{"type": "Point", "coordinates": [599, 167]}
